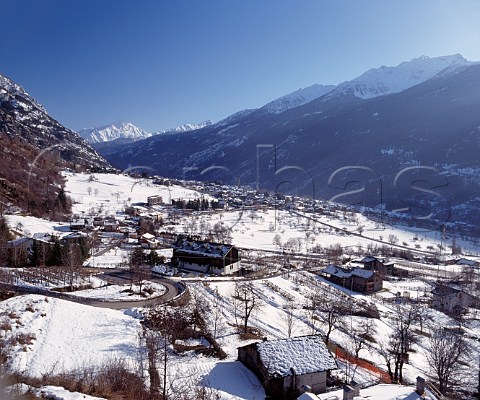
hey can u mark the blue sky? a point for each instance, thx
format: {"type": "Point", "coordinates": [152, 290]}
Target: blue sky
{"type": "Point", "coordinates": [160, 64]}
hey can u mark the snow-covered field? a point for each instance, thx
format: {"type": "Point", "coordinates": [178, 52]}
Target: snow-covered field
{"type": "Point", "coordinates": [55, 335]}
{"type": "Point", "coordinates": [296, 233]}
{"type": "Point", "coordinates": [64, 336]}
{"type": "Point", "coordinates": [51, 335]}
{"type": "Point", "coordinates": [123, 292]}
{"type": "Point", "coordinates": [105, 194]}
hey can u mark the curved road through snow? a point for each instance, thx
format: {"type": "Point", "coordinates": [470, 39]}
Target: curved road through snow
{"type": "Point", "coordinates": [173, 289]}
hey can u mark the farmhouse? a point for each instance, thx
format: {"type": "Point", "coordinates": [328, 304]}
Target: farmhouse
{"type": "Point", "coordinates": [206, 257]}
{"type": "Point", "coordinates": [148, 241]}
{"type": "Point", "coordinates": [374, 264]}
{"type": "Point", "coordinates": [285, 366]}
{"type": "Point", "coordinates": [357, 279]}
{"type": "Point", "coordinates": [449, 300]}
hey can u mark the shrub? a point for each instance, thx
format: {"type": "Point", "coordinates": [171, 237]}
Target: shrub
{"type": "Point", "coordinates": [5, 325]}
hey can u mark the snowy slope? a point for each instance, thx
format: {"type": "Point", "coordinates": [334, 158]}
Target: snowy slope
{"type": "Point", "coordinates": [9, 89]}
{"type": "Point", "coordinates": [386, 80]}
{"type": "Point", "coordinates": [115, 130]}
{"type": "Point", "coordinates": [66, 335]}
{"type": "Point", "coordinates": [297, 98]}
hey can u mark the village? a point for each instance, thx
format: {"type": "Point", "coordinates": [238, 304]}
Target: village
{"type": "Point", "coordinates": [307, 298]}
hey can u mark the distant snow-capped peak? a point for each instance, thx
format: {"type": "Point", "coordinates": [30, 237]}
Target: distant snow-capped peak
{"type": "Point", "coordinates": [186, 128]}
{"type": "Point", "coordinates": [386, 80]}
{"type": "Point", "coordinates": [297, 98]}
{"type": "Point", "coordinates": [130, 132]}
{"type": "Point", "coordinates": [113, 131]}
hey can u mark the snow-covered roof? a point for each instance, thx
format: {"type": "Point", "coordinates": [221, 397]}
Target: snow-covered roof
{"type": "Point", "coordinates": [368, 259]}
{"type": "Point", "coordinates": [18, 242]}
{"type": "Point", "coordinates": [347, 273]}
{"type": "Point", "coordinates": [75, 235]}
{"type": "Point", "coordinates": [305, 354]}
{"type": "Point", "coordinates": [465, 261]}
{"type": "Point", "coordinates": [206, 249]}
{"type": "Point", "coordinates": [443, 290]}
{"type": "Point", "coordinates": [380, 392]}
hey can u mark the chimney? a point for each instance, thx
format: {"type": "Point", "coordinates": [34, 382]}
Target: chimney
{"type": "Point", "coordinates": [348, 392]}
{"type": "Point", "coordinates": [420, 385]}
{"type": "Point", "coordinates": [356, 387]}
{"type": "Point", "coordinates": [306, 389]}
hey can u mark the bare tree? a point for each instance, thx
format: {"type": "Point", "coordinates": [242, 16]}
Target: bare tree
{"type": "Point", "coordinates": [136, 268]}
{"type": "Point", "coordinates": [446, 354]}
{"type": "Point", "coordinates": [71, 257]}
{"type": "Point", "coordinates": [248, 300]}
{"type": "Point", "coordinates": [355, 344]}
{"type": "Point", "coordinates": [400, 341]}
{"type": "Point", "coordinates": [289, 319]}
{"type": "Point", "coordinates": [216, 313]}
{"type": "Point", "coordinates": [221, 233]}
{"type": "Point", "coordinates": [311, 306]}
{"type": "Point", "coordinates": [392, 239]}
{"type": "Point", "coordinates": [162, 328]}
{"type": "Point", "coordinates": [333, 312]}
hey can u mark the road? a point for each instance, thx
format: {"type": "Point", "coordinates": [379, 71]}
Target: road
{"type": "Point", "coordinates": [173, 289]}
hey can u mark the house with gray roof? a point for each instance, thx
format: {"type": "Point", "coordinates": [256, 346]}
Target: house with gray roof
{"type": "Point", "coordinates": [285, 366]}
{"type": "Point", "coordinates": [450, 300]}
{"type": "Point", "coordinates": [356, 279]}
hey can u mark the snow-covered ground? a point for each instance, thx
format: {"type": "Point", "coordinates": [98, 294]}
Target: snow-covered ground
{"type": "Point", "coordinates": [64, 335]}
{"type": "Point", "coordinates": [279, 230]}
{"type": "Point", "coordinates": [50, 335]}
{"type": "Point", "coordinates": [60, 335]}
{"type": "Point", "coordinates": [105, 194]}
{"type": "Point", "coordinates": [123, 292]}
{"type": "Point", "coordinates": [379, 392]}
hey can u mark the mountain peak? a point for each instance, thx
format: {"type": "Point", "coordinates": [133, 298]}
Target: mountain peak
{"type": "Point", "coordinates": [297, 98]}
{"type": "Point", "coordinates": [116, 130]}
{"type": "Point", "coordinates": [386, 80]}
{"type": "Point", "coordinates": [186, 127]}
{"type": "Point", "coordinates": [9, 90]}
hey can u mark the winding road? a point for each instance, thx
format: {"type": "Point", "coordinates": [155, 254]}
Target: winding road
{"type": "Point", "coordinates": [173, 290]}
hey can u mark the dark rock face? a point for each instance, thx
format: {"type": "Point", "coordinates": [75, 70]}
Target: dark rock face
{"type": "Point", "coordinates": [34, 148]}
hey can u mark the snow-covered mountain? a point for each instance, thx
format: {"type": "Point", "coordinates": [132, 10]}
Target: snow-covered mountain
{"type": "Point", "coordinates": [34, 147]}
{"type": "Point", "coordinates": [12, 92]}
{"type": "Point", "coordinates": [429, 117]}
{"type": "Point", "coordinates": [22, 117]}
{"type": "Point", "coordinates": [185, 128]}
{"type": "Point", "coordinates": [122, 132]}
{"type": "Point", "coordinates": [297, 98]}
{"type": "Point", "coordinates": [113, 131]}
{"type": "Point", "coordinates": [386, 80]}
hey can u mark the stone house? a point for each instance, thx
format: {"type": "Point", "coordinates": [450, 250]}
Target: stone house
{"type": "Point", "coordinates": [286, 366]}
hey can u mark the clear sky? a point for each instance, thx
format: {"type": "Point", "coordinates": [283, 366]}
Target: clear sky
{"type": "Point", "coordinates": [159, 64]}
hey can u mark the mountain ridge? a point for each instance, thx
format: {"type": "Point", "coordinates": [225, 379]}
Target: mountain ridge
{"type": "Point", "coordinates": [35, 148]}
{"type": "Point", "coordinates": [386, 133]}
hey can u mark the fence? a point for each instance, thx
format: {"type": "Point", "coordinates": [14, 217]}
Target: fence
{"type": "Point", "coordinates": [382, 375]}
